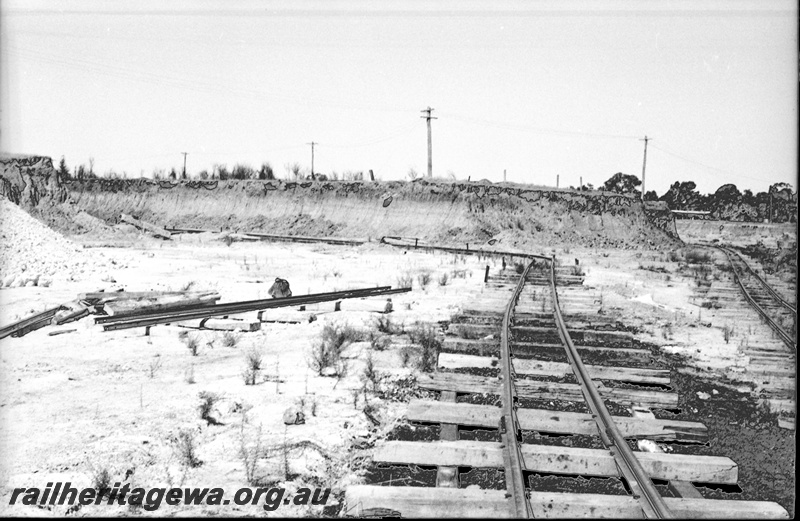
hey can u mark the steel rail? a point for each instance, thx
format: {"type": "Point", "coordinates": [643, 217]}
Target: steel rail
{"type": "Point", "coordinates": [465, 251]}
{"type": "Point", "coordinates": [786, 337]}
{"type": "Point", "coordinates": [128, 322]}
{"type": "Point", "coordinates": [30, 323]}
{"type": "Point", "coordinates": [644, 491]}
{"type": "Point", "coordinates": [297, 299]}
{"type": "Point", "coordinates": [509, 426]}
{"type": "Point", "coordinates": [763, 283]}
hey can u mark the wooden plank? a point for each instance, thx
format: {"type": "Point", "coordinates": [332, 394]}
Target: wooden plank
{"type": "Point", "coordinates": [486, 346]}
{"type": "Point", "coordinates": [106, 296]}
{"type": "Point", "coordinates": [536, 389]}
{"type": "Point", "coordinates": [474, 503]}
{"type": "Point", "coordinates": [152, 228]}
{"type": "Point", "coordinates": [486, 416]}
{"type": "Point", "coordinates": [418, 502]}
{"type": "Point", "coordinates": [141, 305]}
{"type": "Point", "coordinates": [680, 485]}
{"type": "Point", "coordinates": [557, 460]}
{"type": "Point", "coordinates": [221, 324]}
{"type": "Point", "coordinates": [542, 368]}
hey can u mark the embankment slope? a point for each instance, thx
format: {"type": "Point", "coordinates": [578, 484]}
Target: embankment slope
{"type": "Point", "coordinates": [447, 213]}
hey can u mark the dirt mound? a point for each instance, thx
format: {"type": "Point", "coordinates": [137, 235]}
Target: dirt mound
{"type": "Point", "coordinates": [31, 254]}
{"type": "Point", "coordinates": [30, 181]}
{"type": "Point", "coordinates": [446, 213]}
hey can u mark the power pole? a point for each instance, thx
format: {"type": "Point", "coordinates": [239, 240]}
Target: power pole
{"type": "Point", "coordinates": [184, 164]}
{"type": "Point", "coordinates": [644, 163]}
{"type": "Point", "coordinates": [430, 149]}
{"type": "Point", "coordinates": [557, 179]}
{"type": "Point", "coordinates": [504, 175]}
{"type": "Point", "coordinates": [312, 158]}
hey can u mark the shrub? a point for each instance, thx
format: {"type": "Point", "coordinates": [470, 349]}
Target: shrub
{"type": "Point", "coordinates": [253, 360]}
{"type": "Point", "coordinates": [405, 280]}
{"type": "Point", "coordinates": [185, 448]}
{"type": "Point", "coordinates": [328, 351]}
{"type": "Point", "coordinates": [155, 366]}
{"type": "Point", "coordinates": [378, 341]}
{"type": "Point", "coordinates": [250, 454]}
{"type": "Point", "coordinates": [519, 267]}
{"type": "Point", "coordinates": [425, 337]}
{"type": "Point", "coordinates": [207, 402]}
{"type": "Point", "coordinates": [229, 339]}
{"type": "Point", "coordinates": [443, 279]}
{"type": "Point", "coordinates": [371, 375]}
{"type": "Point", "coordinates": [424, 279]}
{"type": "Point", "coordinates": [101, 481]}
{"type": "Point", "coordinates": [192, 345]}
{"type": "Point", "coordinates": [384, 325]}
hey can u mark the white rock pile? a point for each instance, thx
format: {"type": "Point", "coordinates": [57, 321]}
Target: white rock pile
{"type": "Point", "coordinates": [31, 254]}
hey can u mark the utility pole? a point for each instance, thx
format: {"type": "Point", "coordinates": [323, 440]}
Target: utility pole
{"type": "Point", "coordinates": [580, 186]}
{"type": "Point", "coordinates": [504, 175]}
{"type": "Point", "coordinates": [184, 164]}
{"type": "Point", "coordinates": [312, 158]}
{"type": "Point", "coordinates": [644, 163]}
{"type": "Point", "coordinates": [558, 176]}
{"type": "Point", "coordinates": [430, 149]}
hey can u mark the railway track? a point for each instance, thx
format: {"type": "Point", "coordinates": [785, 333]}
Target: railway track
{"type": "Point", "coordinates": [545, 421]}
{"type": "Point", "coordinates": [779, 314]}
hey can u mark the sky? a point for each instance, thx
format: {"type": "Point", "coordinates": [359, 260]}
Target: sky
{"type": "Point", "coordinates": [544, 91]}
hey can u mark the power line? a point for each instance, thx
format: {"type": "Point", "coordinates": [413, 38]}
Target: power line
{"type": "Point", "coordinates": [537, 130]}
{"type": "Point", "coordinates": [708, 166]}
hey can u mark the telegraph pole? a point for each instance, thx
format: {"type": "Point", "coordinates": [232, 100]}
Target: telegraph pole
{"type": "Point", "coordinates": [312, 158]}
{"type": "Point", "coordinates": [430, 149]}
{"type": "Point", "coordinates": [184, 164]}
{"type": "Point", "coordinates": [644, 163]}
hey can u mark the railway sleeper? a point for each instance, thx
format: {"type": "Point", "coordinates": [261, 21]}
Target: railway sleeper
{"type": "Point", "coordinates": [486, 504]}
{"type": "Point", "coordinates": [558, 369]}
{"type": "Point", "coordinates": [553, 459]}
{"type": "Point", "coordinates": [536, 389]}
{"type": "Point", "coordinates": [486, 416]}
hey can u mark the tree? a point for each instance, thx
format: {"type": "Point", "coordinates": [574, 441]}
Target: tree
{"type": "Point", "coordinates": [203, 174]}
{"type": "Point", "coordinates": [727, 203]}
{"type": "Point", "coordinates": [173, 174]}
{"type": "Point", "coordinates": [622, 183]}
{"type": "Point", "coordinates": [266, 172]}
{"type": "Point", "coordinates": [80, 173]}
{"type": "Point", "coordinates": [296, 170]}
{"type": "Point", "coordinates": [682, 196]}
{"type": "Point", "coordinates": [63, 171]}
{"type": "Point", "coordinates": [242, 171]}
{"type": "Point", "coordinates": [651, 196]}
{"type": "Point", "coordinates": [412, 174]}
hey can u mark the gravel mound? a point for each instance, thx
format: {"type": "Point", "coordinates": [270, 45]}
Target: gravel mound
{"type": "Point", "coordinates": [31, 254]}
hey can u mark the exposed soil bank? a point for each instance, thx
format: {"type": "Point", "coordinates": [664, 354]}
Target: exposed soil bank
{"type": "Point", "coordinates": [444, 213]}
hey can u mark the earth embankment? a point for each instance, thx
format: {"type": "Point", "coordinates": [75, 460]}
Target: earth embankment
{"type": "Point", "coordinates": [448, 213]}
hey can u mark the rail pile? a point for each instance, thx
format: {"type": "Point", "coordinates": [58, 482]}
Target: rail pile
{"type": "Point", "coordinates": [126, 310]}
{"type": "Point", "coordinates": [546, 416]}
